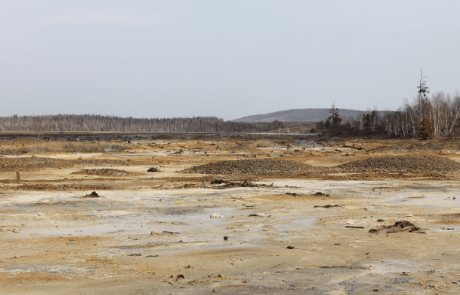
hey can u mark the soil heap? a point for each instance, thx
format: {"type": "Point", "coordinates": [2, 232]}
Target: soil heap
{"type": "Point", "coordinates": [37, 163]}
{"type": "Point", "coordinates": [106, 172]}
{"type": "Point", "coordinates": [418, 148]}
{"type": "Point", "coordinates": [256, 167]}
{"type": "Point", "coordinates": [400, 164]}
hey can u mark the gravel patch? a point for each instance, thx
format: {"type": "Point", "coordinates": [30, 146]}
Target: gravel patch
{"type": "Point", "coordinates": [398, 164]}
{"type": "Point", "coordinates": [257, 167]}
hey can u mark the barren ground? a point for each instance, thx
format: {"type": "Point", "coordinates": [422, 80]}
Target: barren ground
{"type": "Point", "coordinates": [279, 228]}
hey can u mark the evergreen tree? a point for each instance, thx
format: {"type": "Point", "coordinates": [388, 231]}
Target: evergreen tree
{"type": "Point", "coordinates": [335, 117]}
{"type": "Point", "coordinates": [426, 130]}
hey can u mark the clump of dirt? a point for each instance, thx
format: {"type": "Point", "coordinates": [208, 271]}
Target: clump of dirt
{"type": "Point", "coordinates": [401, 164]}
{"type": "Point", "coordinates": [398, 227]}
{"type": "Point", "coordinates": [91, 195]}
{"type": "Point", "coordinates": [106, 172]}
{"type": "Point", "coordinates": [258, 167]}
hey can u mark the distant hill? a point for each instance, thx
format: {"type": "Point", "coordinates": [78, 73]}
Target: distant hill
{"type": "Point", "coordinates": [298, 115]}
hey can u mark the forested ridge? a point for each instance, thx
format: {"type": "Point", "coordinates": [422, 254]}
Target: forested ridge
{"type": "Point", "coordinates": [299, 115]}
{"type": "Point", "coordinates": [129, 124]}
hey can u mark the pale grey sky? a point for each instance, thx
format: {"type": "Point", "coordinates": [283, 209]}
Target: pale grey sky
{"type": "Point", "coordinates": [222, 58]}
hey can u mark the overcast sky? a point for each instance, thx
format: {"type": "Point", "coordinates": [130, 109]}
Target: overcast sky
{"type": "Point", "coordinates": [222, 58]}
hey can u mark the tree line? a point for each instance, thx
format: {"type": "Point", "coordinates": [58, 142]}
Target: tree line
{"type": "Point", "coordinates": [437, 114]}
{"type": "Point", "coordinates": [112, 123]}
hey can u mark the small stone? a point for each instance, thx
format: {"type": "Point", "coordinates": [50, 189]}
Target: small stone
{"type": "Point", "coordinates": [409, 215]}
{"type": "Point", "coordinates": [180, 277]}
{"type": "Point", "coordinates": [290, 247]}
{"type": "Point", "coordinates": [16, 231]}
{"type": "Point", "coordinates": [245, 282]}
{"type": "Point", "coordinates": [152, 233]}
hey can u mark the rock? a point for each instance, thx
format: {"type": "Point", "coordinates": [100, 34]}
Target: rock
{"type": "Point", "coordinates": [215, 215]}
{"type": "Point", "coordinates": [92, 195]}
{"type": "Point", "coordinates": [258, 215]}
{"type": "Point", "coordinates": [321, 194]}
{"type": "Point", "coordinates": [152, 233]}
{"type": "Point", "coordinates": [409, 215]}
{"type": "Point", "coordinates": [225, 238]}
{"type": "Point", "coordinates": [154, 169]}
{"type": "Point", "coordinates": [180, 277]}
{"type": "Point", "coordinates": [290, 247]}
{"type": "Point", "coordinates": [217, 181]}
{"type": "Point", "coordinates": [16, 231]}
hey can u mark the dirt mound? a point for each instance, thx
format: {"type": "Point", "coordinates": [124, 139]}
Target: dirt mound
{"type": "Point", "coordinates": [400, 164]}
{"type": "Point", "coordinates": [398, 227]}
{"type": "Point", "coordinates": [437, 147]}
{"type": "Point", "coordinates": [258, 167]}
{"type": "Point", "coordinates": [106, 172]}
{"type": "Point", "coordinates": [37, 163]}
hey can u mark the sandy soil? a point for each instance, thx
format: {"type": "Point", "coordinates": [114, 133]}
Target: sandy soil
{"type": "Point", "coordinates": [153, 233]}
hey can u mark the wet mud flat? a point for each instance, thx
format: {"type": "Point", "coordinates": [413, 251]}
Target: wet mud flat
{"type": "Point", "coordinates": [262, 240]}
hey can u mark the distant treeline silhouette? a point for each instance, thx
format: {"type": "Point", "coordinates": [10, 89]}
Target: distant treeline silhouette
{"type": "Point", "coordinates": [442, 111]}
{"type": "Point", "coordinates": [129, 124]}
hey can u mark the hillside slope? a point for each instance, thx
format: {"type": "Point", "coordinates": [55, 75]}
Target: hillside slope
{"type": "Point", "coordinates": [298, 115]}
